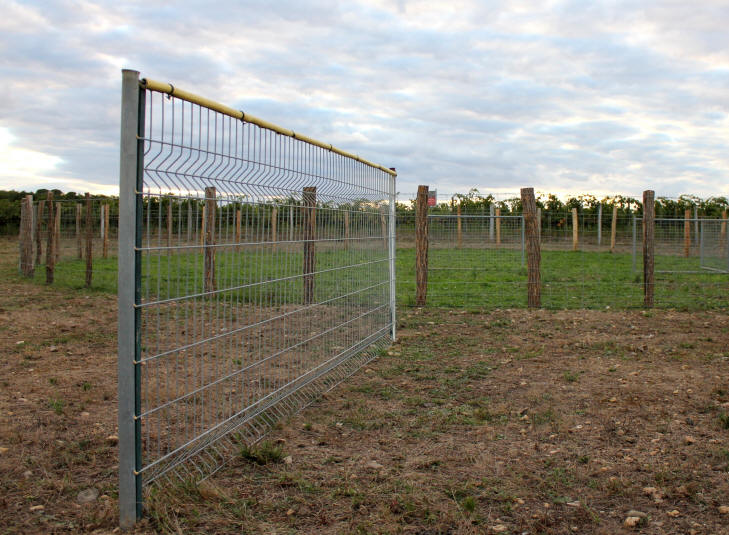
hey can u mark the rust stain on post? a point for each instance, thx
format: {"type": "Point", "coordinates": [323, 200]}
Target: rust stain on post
{"type": "Point", "coordinates": [421, 246]}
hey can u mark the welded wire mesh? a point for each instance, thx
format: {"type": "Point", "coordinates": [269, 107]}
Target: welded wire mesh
{"type": "Point", "coordinates": [263, 279]}
{"type": "Point", "coordinates": [714, 245]}
{"type": "Point", "coordinates": [591, 268]}
{"type": "Point", "coordinates": [474, 259]}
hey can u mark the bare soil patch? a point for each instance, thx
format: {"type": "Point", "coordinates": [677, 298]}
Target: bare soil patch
{"type": "Point", "coordinates": [510, 421]}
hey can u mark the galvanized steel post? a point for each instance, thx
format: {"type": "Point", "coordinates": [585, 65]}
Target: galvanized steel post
{"type": "Point", "coordinates": [391, 254]}
{"type": "Point", "coordinates": [131, 159]}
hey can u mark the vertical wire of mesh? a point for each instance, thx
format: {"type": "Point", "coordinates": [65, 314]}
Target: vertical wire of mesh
{"type": "Point", "coordinates": [265, 280]}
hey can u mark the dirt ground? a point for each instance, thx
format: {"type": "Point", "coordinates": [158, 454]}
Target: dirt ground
{"type": "Point", "coordinates": [509, 421]}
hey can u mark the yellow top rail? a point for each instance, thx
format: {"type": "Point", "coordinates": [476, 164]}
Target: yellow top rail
{"type": "Point", "coordinates": [171, 90]}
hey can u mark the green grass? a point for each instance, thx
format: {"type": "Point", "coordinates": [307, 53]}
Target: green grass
{"type": "Point", "coordinates": [470, 278]}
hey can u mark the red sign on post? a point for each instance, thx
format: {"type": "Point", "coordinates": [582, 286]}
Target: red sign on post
{"type": "Point", "coordinates": [432, 197]}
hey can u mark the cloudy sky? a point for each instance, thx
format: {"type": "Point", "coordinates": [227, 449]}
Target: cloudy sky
{"type": "Point", "coordinates": [568, 97]}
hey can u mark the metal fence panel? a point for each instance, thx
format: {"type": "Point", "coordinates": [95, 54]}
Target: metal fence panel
{"type": "Point", "coordinates": [258, 272]}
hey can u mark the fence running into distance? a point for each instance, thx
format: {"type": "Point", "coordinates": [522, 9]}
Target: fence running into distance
{"type": "Point", "coordinates": [587, 260]}
{"type": "Point", "coordinates": [73, 242]}
{"type": "Point", "coordinates": [256, 270]}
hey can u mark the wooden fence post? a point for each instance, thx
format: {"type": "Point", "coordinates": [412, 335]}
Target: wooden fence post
{"type": "Point", "coordinates": [649, 215]}
{"type": "Point", "coordinates": [105, 236]}
{"type": "Point", "coordinates": [169, 225]}
{"type": "Point", "coordinates": [687, 232]}
{"type": "Point", "coordinates": [274, 225]}
{"type": "Point", "coordinates": [534, 255]}
{"type": "Point", "coordinates": [26, 236]}
{"type": "Point", "coordinates": [210, 283]}
{"type": "Point", "coordinates": [57, 230]}
{"type": "Point", "coordinates": [613, 228]}
{"type": "Point", "coordinates": [50, 246]}
{"type": "Point", "coordinates": [722, 232]}
{"type": "Point", "coordinates": [309, 206]}
{"type": "Point", "coordinates": [89, 241]}
{"type": "Point", "coordinates": [492, 212]}
{"type": "Point", "coordinates": [38, 233]}
{"type": "Point", "coordinates": [346, 228]}
{"type": "Point", "coordinates": [203, 223]}
{"type": "Point", "coordinates": [421, 246]}
{"type": "Point", "coordinates": [498, 226]}
{"type": "Point", "coordinates": [696, 225]}
{"type": "Point", "coordinates": [79, 241]}
{"type": "Point", "coordinates": [575, 230]}
{"type": "Point", "coordinates": [237, 228]}
{"type": "Point", "coordinates": [460, 229]}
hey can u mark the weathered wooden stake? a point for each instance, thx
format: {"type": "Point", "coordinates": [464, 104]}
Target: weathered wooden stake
{"type": "Point", "coordinates": [274, 224]}
{"type": "Point", "coordinates": [79, 241]}
{"type": "Point", "coordinates": [26, 236]}
{"type": "Point", "coordinates": [309, 198]}
{"type": "Point", "coordinates": [57, 230]}
{"type": "Point", "coordinates": [89, 241]}
{"type": "Point", "coordinates": [687, 232]}
{"type": "Point", "coordinates": [203, 223]}
{"type": "Point", "coordinates": [50, 245]}
{"type": "Point", "coordinates": [722, 232]}
{"type": "Point", "coordinates": [105, 236]}
{"type": "Point", "coordinates": [346, 228]}
{"type": "Point", "coordinates": [38, 233]}
{"type": "Point", "coordinates": [459, 227]}
{"type": "Point", "coordinates": [421, 246]}
{"type": "Point", "coordinates": [534, 255]}
{"type": "Point", "coordinates": [492, 212]}
{"type": "Point", "coordinates": [169, 226]}
{"type": "Point", "coordinates": [613, 228]}
{"type": "Point", "coordinates": [649, 215]}
{"type": "Point", "coordinates": [238, 228]}
{"type": "Point", "coordinates": [575, 230]}
{"type": "Point", "coordinates": [498, 226]}
{"type": "Point", "coordinates": [210, 283]}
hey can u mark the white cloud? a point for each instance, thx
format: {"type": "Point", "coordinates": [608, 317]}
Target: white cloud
{"type": "Point", "coordinates": [562, 95]}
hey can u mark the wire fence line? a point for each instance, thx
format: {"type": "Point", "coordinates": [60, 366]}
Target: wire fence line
{"type": "Point", "coordinates": [588, 260]}
{"type": "Point", "coordinates": [256, 271]}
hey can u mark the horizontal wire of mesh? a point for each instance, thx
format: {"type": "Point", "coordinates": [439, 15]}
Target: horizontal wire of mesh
{"type": "Point", "coordinates": [264, 280]}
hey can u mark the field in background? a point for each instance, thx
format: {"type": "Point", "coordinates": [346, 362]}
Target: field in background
{"type": "Point", "coordinates": [471, 278]}
{"type": "Point", "coordinates": [509, 421]}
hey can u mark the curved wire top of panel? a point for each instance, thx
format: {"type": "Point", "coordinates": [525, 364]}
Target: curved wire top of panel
{"type": "Point", "coordinates": [171, 90]}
